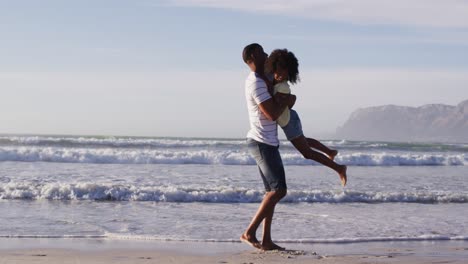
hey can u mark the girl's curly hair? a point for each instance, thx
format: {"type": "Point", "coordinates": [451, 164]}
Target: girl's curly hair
{"type": "Point", "coordinates": [282, 58]}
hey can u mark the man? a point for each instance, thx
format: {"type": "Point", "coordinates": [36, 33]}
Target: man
{"type": "Point", "coordinates": [263, 143]}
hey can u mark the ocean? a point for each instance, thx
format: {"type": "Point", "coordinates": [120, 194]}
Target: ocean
{"type": "Point", "coordinates": [196, 189]}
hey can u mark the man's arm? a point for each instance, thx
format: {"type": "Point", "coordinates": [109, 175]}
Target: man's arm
{"type": "Point", "coordinates": [273, 109]}
{"type": "Point", "coordinates": [291, 101]}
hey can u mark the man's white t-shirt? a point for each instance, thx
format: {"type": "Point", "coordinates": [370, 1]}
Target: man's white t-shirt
{"type": "Point", "coordinates": [261, 129]}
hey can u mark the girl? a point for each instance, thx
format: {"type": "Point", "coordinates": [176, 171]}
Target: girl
{"type": "Point", "coordinates": [284, 67]}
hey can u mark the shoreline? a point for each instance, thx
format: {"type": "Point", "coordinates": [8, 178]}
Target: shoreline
{"type": "Point", "coordinates": [64, 250]}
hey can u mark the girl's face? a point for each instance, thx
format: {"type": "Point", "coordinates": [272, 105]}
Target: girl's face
{"type": "Point", "coordinates": [281, 74]}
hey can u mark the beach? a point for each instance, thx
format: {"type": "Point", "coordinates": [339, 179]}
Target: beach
{"type": "Point", "coordinates": [104, 251]}
{"type": "Point", "coordinates": [157, 132]}
{"type": "Point", "coordinates": [188, 200]}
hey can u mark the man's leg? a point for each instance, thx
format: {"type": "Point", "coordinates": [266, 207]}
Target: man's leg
{"type": "Point", "coordinates": [272, 173]}
{"type": "Point", "coordinates": [267, 242]}
{"type": "Point", "coordinates": [264, 213]}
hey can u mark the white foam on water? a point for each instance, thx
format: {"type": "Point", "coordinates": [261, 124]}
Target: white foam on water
{"type": "Point", "coordinates": [108, 192]}
{"type": "Point", "coordinates": [223, 157]}
{"type": "Point", "coordinates": [118, 141]}
{"type": "Point", "coordinates": [111, 236]}
{"type": "Point", "coordinates": [147, 142]}
{"type": "Point", "coordinates": [305, 241]}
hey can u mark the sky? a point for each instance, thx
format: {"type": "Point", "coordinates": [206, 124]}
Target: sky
{"type": "Point", "coordinates": [173, 68]}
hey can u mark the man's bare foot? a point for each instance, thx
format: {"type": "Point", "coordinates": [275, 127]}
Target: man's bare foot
{"type": "Point", "coordinates": [271, 246]}
{"type": "Point", "coordinates": [343, 176]}
{"type": "Point", "coordinates": [250, 240]}
{"type": "Point", "coordinates": [333, 154]}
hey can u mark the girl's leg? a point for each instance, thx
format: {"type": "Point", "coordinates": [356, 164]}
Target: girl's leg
{"type": "Point", "coordinates": [301, 144]}
{"type": "Point", "coordinates": [313, 143]}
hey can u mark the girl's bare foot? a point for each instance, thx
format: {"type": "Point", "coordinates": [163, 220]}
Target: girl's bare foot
{"type": "Point", "coordinates": [333, 154]}
{"type": "Point", "coordinates": [343, 176]}
{"type": "Point", "coordinates": [271, 246]}
{"type": "Point", "coordinates": [250, 240]}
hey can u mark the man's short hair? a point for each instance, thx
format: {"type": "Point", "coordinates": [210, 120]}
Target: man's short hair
{"type": "Point", "coordinates": [249, 50]}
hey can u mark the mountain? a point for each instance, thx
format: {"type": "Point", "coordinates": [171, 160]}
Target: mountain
{"type": "Point", "coordinates": [433, 122]}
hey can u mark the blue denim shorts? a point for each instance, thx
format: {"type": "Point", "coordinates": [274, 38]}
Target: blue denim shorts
{"type": "Point", "coordinates": [294, 127]}
{"type": "Point", "coordinates": [269, 164]}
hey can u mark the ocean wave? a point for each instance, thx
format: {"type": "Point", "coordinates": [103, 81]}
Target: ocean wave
{"type": "Point", "coordinates": [116, 236]}
{"type": "Point", "coordinates": [223, 157]}
{"type": "Point", "coordinates": [297, 241]}
{"type": "Point", "coordinates": [123, 156]}
{"type": "Point", "coordinates": [391, 159]}
{"type": "Point", "coordinates": [118, 142]}
{"type": "Point", "coordinates": [105, 192]}
{"type": "Point", "coordinates": [154, 142]}
{"type": "Point", "coordinates": [56, 236]}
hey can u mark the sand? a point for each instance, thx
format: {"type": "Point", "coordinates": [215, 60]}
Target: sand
{"type": "Point", "coordinates": [74, 251]}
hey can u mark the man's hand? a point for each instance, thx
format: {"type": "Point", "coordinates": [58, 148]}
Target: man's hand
{"type": "Point", "coordinates": [292, 101]}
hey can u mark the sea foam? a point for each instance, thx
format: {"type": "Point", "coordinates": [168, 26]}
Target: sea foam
{"type": "Point", "coordinates": [343, 240]}
{"type": "Point", "coordinates": [223, 157]}
{"type": "Point", "coordinates": [108, 192]}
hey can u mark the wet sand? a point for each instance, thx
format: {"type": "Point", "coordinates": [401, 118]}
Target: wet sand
{"type": "Point", "coordinates": [56, 251]}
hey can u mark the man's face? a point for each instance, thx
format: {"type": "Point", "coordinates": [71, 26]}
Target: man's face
{"type": "Point", "coordinates": [259, 57]}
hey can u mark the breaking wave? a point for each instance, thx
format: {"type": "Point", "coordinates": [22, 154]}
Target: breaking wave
{"type": "Point", "coordinates": [150, 142]}
{"type": "Point", "coordinates": [224, 157]}
{"type": "Point", "coordinates": [343, 240]}
{"type": "Point", "coordinates": [103, 192]}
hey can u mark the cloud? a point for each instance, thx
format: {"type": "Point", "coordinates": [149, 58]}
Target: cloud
{"type": "Point", "coordinates": [417, 13]}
